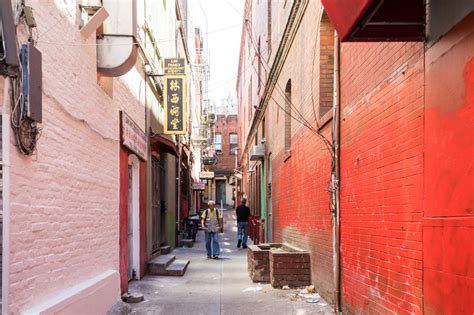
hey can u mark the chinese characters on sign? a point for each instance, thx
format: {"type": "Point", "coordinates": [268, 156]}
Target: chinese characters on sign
{"type": "Point", "coordinates": [133, 137]}
{"type": "Point", "coordinates": [175, 105]}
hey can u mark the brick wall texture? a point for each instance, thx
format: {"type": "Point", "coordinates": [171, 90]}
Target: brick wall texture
{"type": "Point", "coordinates": [405, 143]}
{"type": "Point", "coordinates": [65, 199]}
{"type": "Point", "coordinates": [225, 125]}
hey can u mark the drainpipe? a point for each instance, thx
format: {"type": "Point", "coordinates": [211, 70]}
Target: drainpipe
{"type": "Point", "coordinates": [6, 195]}
{"type": "Point", "coordinates": [335, 178]}
{"type": "Point", "coordinates": [178, 179]}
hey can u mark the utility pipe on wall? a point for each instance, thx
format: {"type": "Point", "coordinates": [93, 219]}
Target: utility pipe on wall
{"type": "Point", "coordinates": [6, 195]}
{"type": "Point", "coordinates": [335, 178]}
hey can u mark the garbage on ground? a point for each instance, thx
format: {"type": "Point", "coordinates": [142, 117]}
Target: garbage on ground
{"type": "Point", "coordinates": [285, 287]}
{"type": "Point", "coordinates": [310, 289]}
{"type": "Point", "coordinates": [304, 295]}
{"type": "Point", "coordinates": [252, 289]}
{"type": "Point", "coordinates": [312, 300]}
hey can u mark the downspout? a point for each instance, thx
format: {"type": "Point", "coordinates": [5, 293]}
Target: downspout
{"type": "Point", "coordinates": [6, 196]}
{"type": "Point", "coordinates": [178, 190]}
{"type": "Point", "coordinates": [335, 178]}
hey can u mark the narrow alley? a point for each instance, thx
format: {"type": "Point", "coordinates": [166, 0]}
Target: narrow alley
{"type": "Point", "coordinates": [337, 134]}
{"type": "Point", "coordinates": [216, 286]}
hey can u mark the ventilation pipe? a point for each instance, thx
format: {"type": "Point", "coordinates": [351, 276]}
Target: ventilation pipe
{"type": "Point", "coordinates": [117, 48]}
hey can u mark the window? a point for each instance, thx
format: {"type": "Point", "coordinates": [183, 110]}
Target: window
{"type": "Point", "coordinates": [326, 65]}
{"type": "Point", "coordinates": [233, 143]}
{"type": "Point", "coordinates": [288, 116]}
{"type": "Point", "coordinates": [218, 143]}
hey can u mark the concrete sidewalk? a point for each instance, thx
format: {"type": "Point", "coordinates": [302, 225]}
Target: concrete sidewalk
{"type": "Point", "coordinates": [217, 286]}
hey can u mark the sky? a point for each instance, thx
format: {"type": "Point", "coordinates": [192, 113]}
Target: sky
{"type": "Point", "coordinates": [224, 24]}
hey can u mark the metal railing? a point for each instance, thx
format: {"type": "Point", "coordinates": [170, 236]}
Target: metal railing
{"type": "Point", "coordinates": [257, 229]}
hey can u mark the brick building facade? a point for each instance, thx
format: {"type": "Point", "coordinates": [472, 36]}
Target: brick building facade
{"type": "Point", "coordinates": [222, 188]}
{"type": "Point", "coordinates": [403, 143]}
{"type": "Point", "coordinates": [78, 214]}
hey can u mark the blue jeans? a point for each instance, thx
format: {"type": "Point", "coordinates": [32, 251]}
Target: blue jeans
{"type": "Point", "coordinates": [243, 232]}
{"type": "Point", "coordinates": [212, 243]}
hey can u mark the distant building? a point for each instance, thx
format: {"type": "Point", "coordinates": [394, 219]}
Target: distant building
{"type": "Point", "coordinates": [222, 187]}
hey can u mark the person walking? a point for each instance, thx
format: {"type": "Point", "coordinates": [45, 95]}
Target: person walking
{"type": "Point", "coordinates": [243, 213]}
{"type": "Point", "coordinates": [211, 220]}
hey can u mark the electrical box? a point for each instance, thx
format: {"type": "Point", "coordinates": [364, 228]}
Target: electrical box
{"type": "Point", "coordinates": [30, 59]}
{"type": "Point", "coordinates": [8, 46]}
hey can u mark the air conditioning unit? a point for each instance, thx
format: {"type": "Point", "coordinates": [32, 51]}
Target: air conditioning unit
{"type": "Point", "coordinates": [258, 152]}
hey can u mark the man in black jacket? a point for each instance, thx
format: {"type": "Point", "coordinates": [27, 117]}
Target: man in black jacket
{"type": "Point", "coordinates": [243, 213]}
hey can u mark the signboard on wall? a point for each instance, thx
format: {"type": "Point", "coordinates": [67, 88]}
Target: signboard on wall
{"type": "Point", "coordinates": [175, 66]}
{"type": "Point", "coordinates": [206, 175]}
{"type": "Point", "coordinates": [175, 105]}
{"type": "Point", "coordinates": [133, 137]}
{"type": "Point", "coordinates": [199, 186]}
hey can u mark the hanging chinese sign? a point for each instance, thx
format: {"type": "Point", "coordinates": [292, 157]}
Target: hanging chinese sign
{"type": "Point", "coordinates": [175, 96]}
{"type": "Point", "coordinates": [175, 105]}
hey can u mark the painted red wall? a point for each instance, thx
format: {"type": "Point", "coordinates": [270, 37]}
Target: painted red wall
{"type": "Point", "coordinates": [448, 224]}
{"type": "Point", "coordinates": [382, 177]}
{"type": "Point", "coordinates": [300, 203]}
{"type": "Point", "coordinates": [123, 219]}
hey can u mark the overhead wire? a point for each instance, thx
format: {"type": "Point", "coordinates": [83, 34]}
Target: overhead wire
{"type": "Point", "coordinates": [280, 91]}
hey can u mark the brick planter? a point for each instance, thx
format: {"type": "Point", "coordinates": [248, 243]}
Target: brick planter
{"type": "Point", "coordinates": [259, 263]}
{"type": "Point", "coordinates": [289, 266]}
{"type": "Point", "coordinates": [279, 264]}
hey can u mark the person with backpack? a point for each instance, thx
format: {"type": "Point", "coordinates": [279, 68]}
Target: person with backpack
{"type": "Point", "coordinates": [211, 221]}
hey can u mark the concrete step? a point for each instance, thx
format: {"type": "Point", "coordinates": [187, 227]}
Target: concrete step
{"type": "Point", "coordinates": [186, 243]}
{"type": "Point", "coordinates": [164, 250]}
{"type": "Point", "coordinates": [177, 268]}
{"type": "Point", "coordinates": [159, 264]}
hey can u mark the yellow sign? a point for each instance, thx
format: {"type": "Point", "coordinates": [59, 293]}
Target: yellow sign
{"type": "Point", "coordinates": [175, 105]}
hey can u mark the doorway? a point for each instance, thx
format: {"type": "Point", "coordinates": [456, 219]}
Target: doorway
{"type": "Point", "coordinates": [220, 192]}
{"type": "Point", "coordinates": [155, 205]}
{"type": "Point", "coordinates": [130, 223]}
{"type": "Point", "coordinates": [133, 218]}
{"type": "Point", "coordinates": [269, 201]}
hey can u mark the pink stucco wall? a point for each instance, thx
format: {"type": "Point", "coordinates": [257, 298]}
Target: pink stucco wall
{"type": "Point", "coordinates": [64, 214]}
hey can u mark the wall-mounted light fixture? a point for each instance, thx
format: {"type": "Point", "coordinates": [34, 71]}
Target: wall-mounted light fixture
{"type": "Point", "coordinates": [149, 71]}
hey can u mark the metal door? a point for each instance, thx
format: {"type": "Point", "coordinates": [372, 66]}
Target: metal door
{"type": "Point", "coordinates": [155, 205]}
{"type": "Point", "coordinates": [269, 201]}
{"type": "Point", "coordinates": [220, 192]}
{"type": "Point", "coordinates": [163, 211]}
{"type": "Point", "coordinates": [130, 222]}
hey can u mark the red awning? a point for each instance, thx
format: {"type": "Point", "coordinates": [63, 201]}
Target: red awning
{"type": "Point", "coordinates": [377, 20]}
{"type": "Point", "coordinates": [164, 144]}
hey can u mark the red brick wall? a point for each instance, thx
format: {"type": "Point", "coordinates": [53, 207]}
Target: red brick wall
{"type": "Point", "coordinates": [382, 177]}
{"type": "Point", "coordinates": [225, 125]}
{"type": "Point", "coordinates": [301, 214]}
